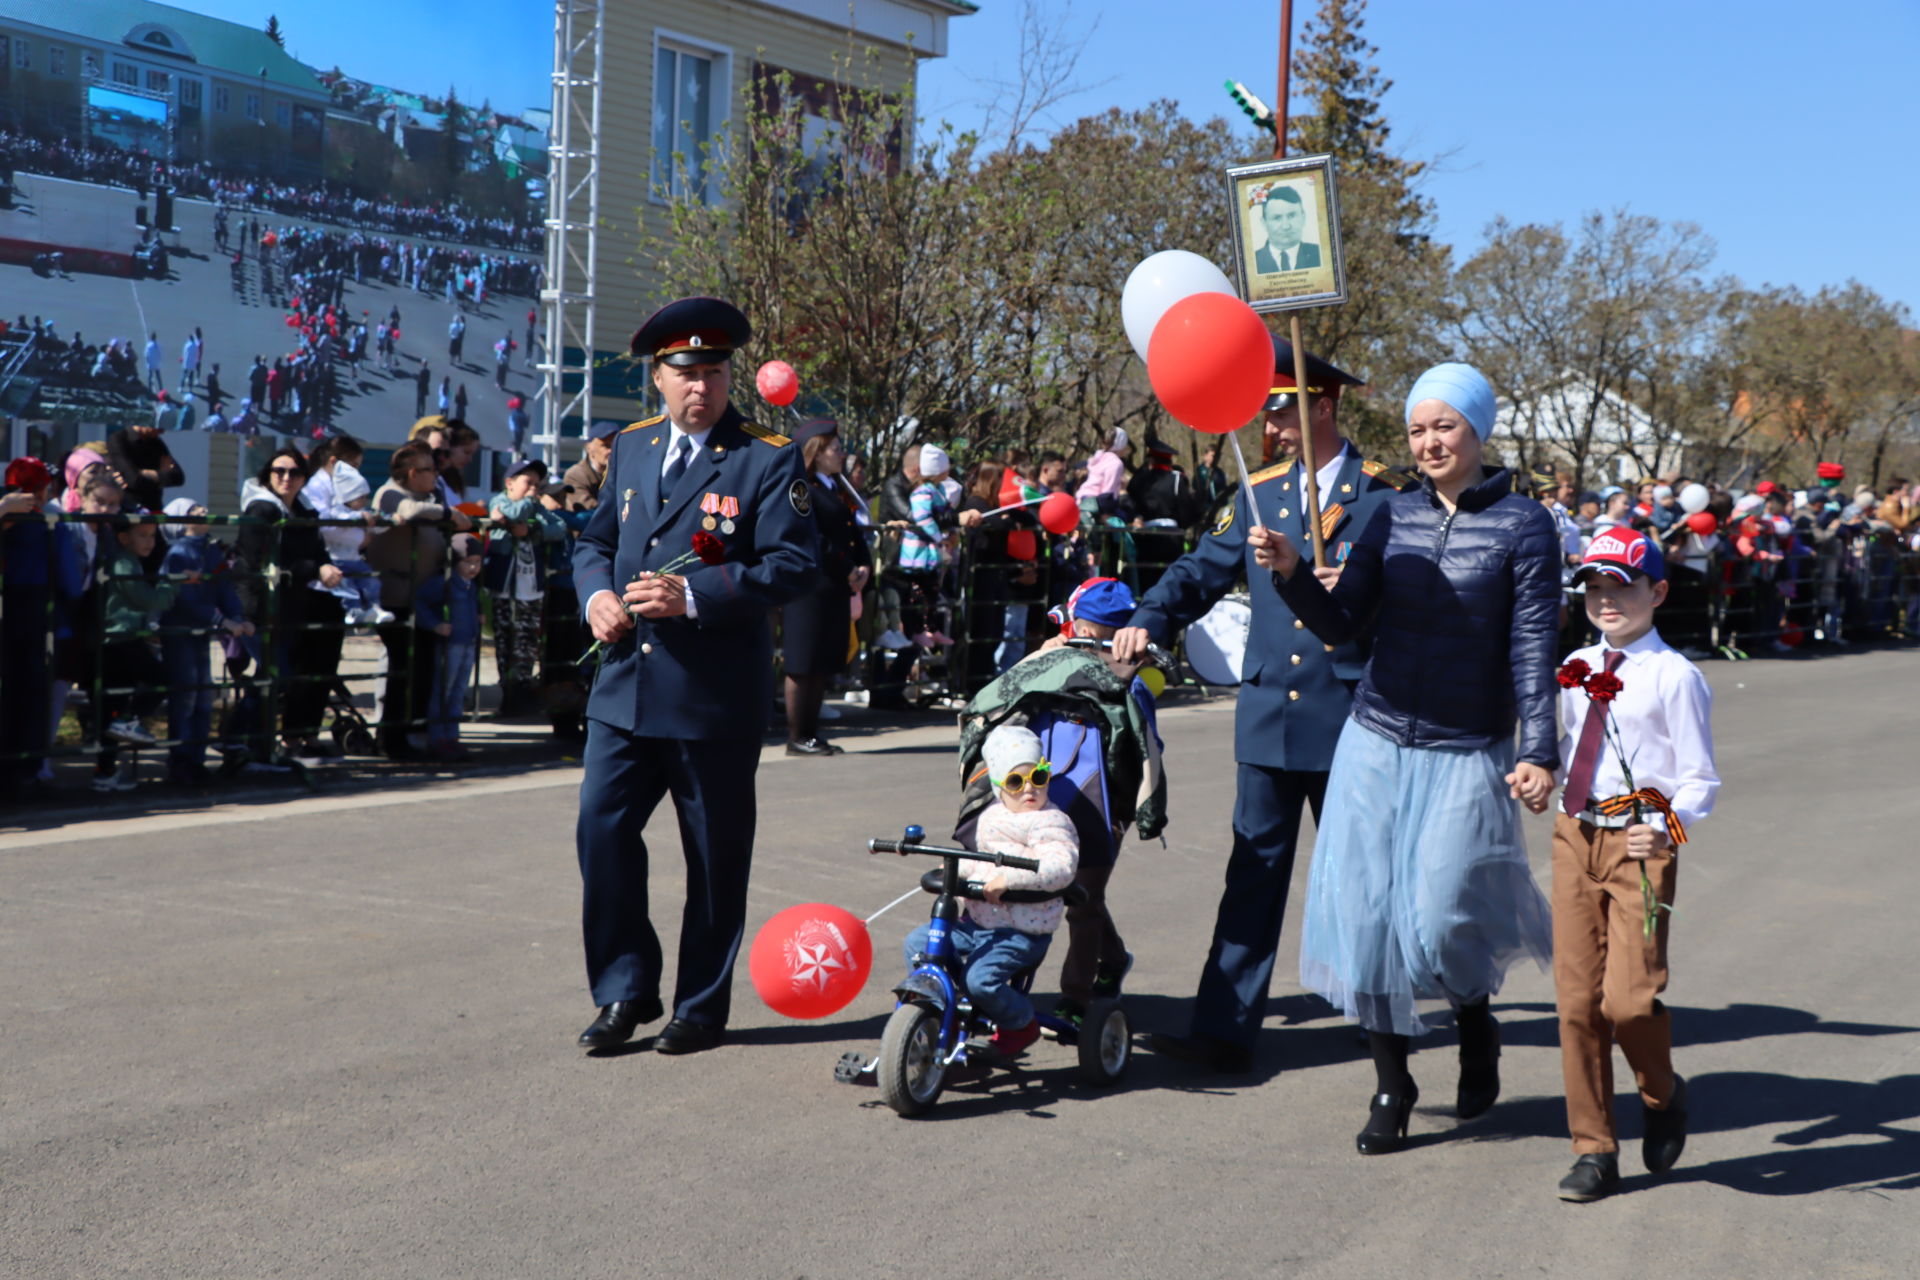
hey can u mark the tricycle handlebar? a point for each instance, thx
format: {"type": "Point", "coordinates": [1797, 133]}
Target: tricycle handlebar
{"type": "Point", "coordinates": [904, 847]}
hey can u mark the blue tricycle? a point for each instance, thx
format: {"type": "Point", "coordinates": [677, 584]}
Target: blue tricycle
{"type": "Point", "coordinates": [929, 1032]}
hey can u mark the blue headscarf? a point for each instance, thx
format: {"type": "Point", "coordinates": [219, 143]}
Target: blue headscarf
{"type": "Point", "coordinates": [1462, 387]}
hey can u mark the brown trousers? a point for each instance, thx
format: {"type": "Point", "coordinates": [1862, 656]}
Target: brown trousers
{"type": "Point", "coordinates": [1608, 976]}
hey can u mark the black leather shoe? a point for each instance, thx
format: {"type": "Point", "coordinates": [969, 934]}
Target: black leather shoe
{"type": "Point", "coordinates": [1479, 1074]}
{"type": "Point", "coordinates": [1387, 1118]}
{"type": "Point", "coordinates": [812, 747]}
{"type": "Point", "coordinates": [1665, 1135]}
{"type": "Point", "coordinates": [1593, 1177]}
{"type": "Point", "coordinates": [617, 1021]}
{"type": "Point", "coordinates": [681, 1036]}
{"type": "Point", "coordinates": [1206, 1051]}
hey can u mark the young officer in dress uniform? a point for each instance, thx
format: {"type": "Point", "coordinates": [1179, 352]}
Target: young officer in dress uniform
{"type": "Point", "coordinates": [1294, 697]}
{"type": "Point", "coordinates": [681, 700]}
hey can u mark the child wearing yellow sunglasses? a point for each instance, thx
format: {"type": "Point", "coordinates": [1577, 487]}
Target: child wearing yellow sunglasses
{"type": "Point", "coordinates": [998, 939]}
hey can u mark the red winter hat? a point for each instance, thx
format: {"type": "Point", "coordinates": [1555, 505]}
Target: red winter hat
{"type": "Point", "coordinates": [1766, 487]}
{"type": "Point", "coordinates": [1831, 471]}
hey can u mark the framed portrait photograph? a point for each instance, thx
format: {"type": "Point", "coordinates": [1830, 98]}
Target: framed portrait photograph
{"type": "Point", "coordinates": [1286, 233]}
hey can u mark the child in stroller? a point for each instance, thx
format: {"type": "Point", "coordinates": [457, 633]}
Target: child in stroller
{"type": "Point", "coordinates": [1095, 722]}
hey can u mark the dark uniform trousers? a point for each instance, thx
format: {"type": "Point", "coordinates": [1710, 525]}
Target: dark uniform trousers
{"type": "Point", "coordinates": [711, 783]}
{"type": "Point", "coordinates": [1293, 702]}
{"type": "Point", "coordinates": [1232, 1000]}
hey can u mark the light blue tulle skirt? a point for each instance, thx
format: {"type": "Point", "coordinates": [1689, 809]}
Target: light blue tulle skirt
{"type": "Point", "coordinates": [1420, 887]}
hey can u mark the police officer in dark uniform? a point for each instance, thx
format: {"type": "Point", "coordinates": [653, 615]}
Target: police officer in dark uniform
{"type": "Point", "coordinates": [681, 699]}
{"type": "Point", "coordinates": [1294, 697]}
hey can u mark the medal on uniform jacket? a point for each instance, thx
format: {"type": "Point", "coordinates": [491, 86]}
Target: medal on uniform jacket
{"type": "Point", "coordinates": [710, 503]}
{"type": "Point", "coordinates": [626, 500]}
{"type": "Point", "coordinates": [729, 508]}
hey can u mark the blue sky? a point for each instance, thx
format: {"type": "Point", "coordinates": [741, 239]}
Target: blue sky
{"type": "Point", "coordinates": [1789, 135]}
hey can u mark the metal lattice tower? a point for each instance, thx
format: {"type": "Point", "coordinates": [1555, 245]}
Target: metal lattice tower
{"type": "Point", "coordinates": [573, 219]}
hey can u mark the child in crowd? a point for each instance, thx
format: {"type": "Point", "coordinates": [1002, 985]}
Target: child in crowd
{"type": "Point", "coordinates": [204, 601]}
{"type": "Point", "coordinates": [996, 940]}
{"type": "Point", "coordinates": [1614, 855]}
{"type": "Point", "coordinates": [131, 603]}
{"type": "Point", "coordinates": [517, 577]}
{"type": "Point", "coordinates": [449, 607]}
{"type": "Point", "coordinates": [359, 589]}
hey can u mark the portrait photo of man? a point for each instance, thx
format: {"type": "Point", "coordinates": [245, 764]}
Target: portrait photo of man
{"type": "Point", "coordinates": [1284, 216]}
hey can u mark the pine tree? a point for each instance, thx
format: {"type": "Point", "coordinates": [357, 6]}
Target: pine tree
{"type": "Point", "coordinates": [1396, 273]}
{"type": "Point", "coordinates": [274, 33]}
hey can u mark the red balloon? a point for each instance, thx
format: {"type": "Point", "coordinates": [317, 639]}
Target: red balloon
{"type": "Point", "coordinates": [1022, 545]}
{"type": "Point", "coordinates": [1211, 362]}
{"type": "Point", "coordinates": [1060, 514]}
{"type": "Point", "coordinates": [778, 383]}
{"type": "Point", "coordinates": [810, 960]}
{"type": "Point", "coordinates": [292, 323]}
{"type": "Point", "coordinates": [1703, 523]}
{"type": "Point", "coordinates": [396, 335]}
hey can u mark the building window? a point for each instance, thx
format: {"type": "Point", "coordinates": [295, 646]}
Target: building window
{"type": "Point", "coordinates": [283, 116]}
{"type": "Point", "coordinates": [684, 118]}
{"type": "Point", "coordinates": [253, 109]}
{"type": "Point", "coordinates": [222, 99]}
{"type": "Point", "coordinates": [89, 64]}
{"type": "Point", "coordinates": [126, 73]}
{"type": "Point", "coordinates": [158, 81]}
{"type": "Point", "coordinates": [189, 93]}
{"type": "Point", "coordinates": [56, 60]}
{"type": "Point", "coordinates": [22, 54]}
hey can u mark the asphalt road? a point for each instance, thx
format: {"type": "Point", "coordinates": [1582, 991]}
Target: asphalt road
{"type": "Point", "coordinates": [332, 1037]}
{"type": "Point", "coordinates": [378, 407]}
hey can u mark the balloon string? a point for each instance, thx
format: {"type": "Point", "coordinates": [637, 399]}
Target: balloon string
{"type": "Point", "coordinates": [1014, 506]}
{"type": "Point", "coordinates": [891, 905]}
{"type": "Point", "coordinates": [1246, 486]}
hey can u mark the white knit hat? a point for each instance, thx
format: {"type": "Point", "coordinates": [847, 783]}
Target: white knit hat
{"type": "Point", "coordinates": [1008, 747]}
{"type": "Point", "coordinates": [348, 483]}
{"type": "Point", "coordinates": [934, 461]}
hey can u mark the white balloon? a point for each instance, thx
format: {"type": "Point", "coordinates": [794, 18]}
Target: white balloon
{"type": "Point", "coordinates": [1159, 282]}
{"type": "Point", "coordinates": [1694, 498]}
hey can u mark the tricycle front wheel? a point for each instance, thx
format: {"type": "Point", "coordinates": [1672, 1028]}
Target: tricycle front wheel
{"type": "Point", "coordinates": [912, 1069]}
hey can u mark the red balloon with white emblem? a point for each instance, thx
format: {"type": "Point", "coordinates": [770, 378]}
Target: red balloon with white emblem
{"type": "Point", "coordinates": [811, 960]}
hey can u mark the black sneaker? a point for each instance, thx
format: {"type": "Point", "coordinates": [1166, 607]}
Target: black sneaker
{"type": "Point", "coordinates": [1593, 1177]}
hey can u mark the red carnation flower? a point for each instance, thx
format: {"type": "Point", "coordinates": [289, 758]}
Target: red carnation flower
{"type": "Point", "coordinates": [1603, 686]}
{"type": "Point", "coordinates": [709, 548]}
{"type": "Point", "coordinates": [1573, 675]}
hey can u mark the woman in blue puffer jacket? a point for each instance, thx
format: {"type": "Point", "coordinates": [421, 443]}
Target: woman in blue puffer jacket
{"type": "Point", "coordinates": [1420, 887]}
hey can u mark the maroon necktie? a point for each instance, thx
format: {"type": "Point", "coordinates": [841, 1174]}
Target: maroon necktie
{"type": "Point", "coordinates": [1587, 754]}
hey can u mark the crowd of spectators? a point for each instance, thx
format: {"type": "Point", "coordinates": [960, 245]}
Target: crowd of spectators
{"type": "Point", "coordinates": [132, 604]}
{"type": "Point", "coordinates": [62, 157]}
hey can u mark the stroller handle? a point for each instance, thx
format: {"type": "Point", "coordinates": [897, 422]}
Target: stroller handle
{"type": "Point", "coordinates": [904, 847]}
{"type": "Point", "coordinates": [1155, 656]}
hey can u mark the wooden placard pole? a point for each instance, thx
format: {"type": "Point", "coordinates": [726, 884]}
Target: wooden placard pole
{"type": "Point", "coordinates": [1310, 470]}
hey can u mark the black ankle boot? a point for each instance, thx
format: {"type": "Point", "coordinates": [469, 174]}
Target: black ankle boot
{"type": "Point", "coordinates": [1386, 1130]}
{"type": "Point", "coordinates": [1479, 1068]}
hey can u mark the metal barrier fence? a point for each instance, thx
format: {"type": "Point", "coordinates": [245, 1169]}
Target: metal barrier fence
{"type": "Point", "coordinates": [928, 636]}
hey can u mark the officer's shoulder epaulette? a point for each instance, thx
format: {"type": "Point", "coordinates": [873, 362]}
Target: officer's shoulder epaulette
{"type": "Point", "coordinates": [654, 421]}
{"type": "Point", "coordinates": [1387, 475]}
{"type": "Point", "coordinates": [768, 434]}
{"type": "Point", "coordinates": [1268, 473]}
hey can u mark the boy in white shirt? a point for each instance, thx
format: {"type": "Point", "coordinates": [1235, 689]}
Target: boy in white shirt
{"type": "Point", "coordinates": [1613, 846]}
